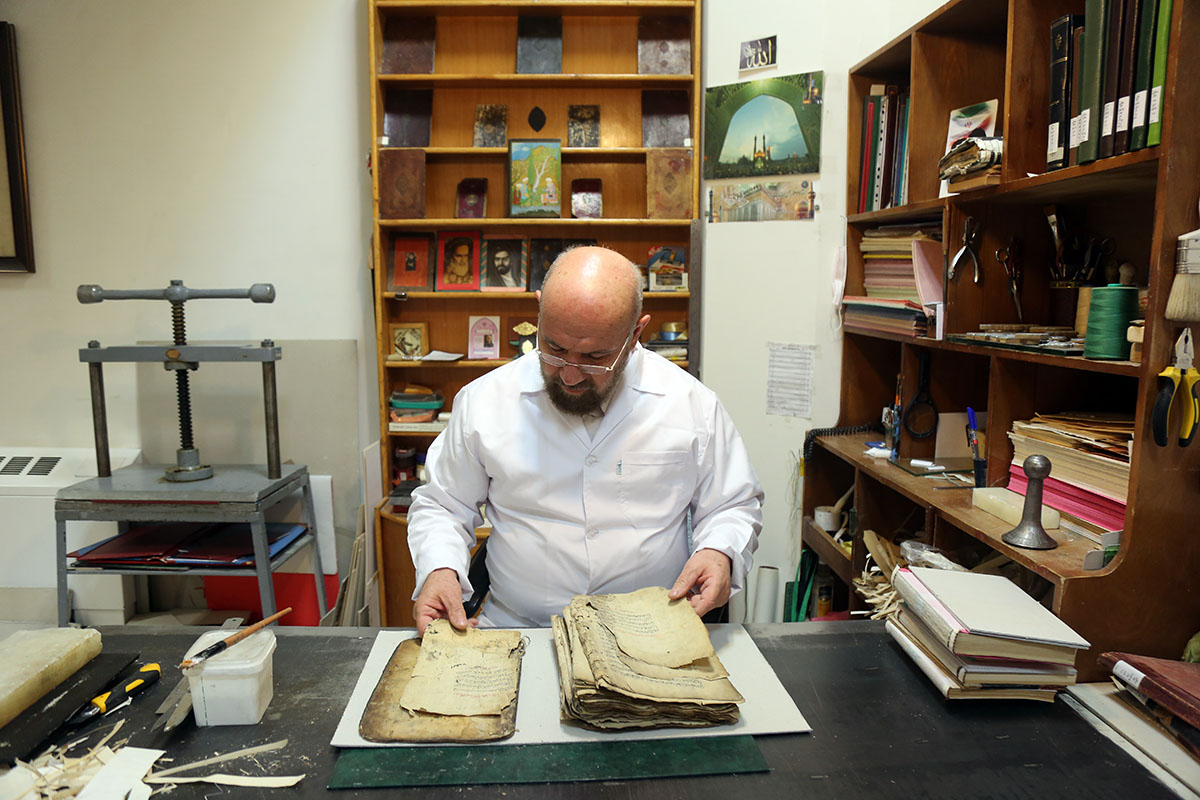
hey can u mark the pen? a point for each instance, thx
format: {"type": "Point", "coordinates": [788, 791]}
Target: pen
{"type": "Point", "coordinates": [972, 433]}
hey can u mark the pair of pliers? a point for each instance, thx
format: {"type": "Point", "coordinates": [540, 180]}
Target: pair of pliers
{"type": "Point", "coordinates": [970, 238]}
{"type": "Point", "coordinates": [1010, 258]}
{"type": "Point", "coordinates": [1179, 371]}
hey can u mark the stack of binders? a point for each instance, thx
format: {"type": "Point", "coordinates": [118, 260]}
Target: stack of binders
{"type": "Point", "coordinates": [978, 637]}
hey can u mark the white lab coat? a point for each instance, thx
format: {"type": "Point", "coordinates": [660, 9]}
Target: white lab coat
{"type": "Point", "coordinates": [577, 515]}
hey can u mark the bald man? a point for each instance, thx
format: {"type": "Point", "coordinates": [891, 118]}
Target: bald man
{"type": "Point", "coordinates": [589, 460]}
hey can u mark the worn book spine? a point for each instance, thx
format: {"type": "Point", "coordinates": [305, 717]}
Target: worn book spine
{"type": "Point", "coordinates": [1076, 70]}
{"type": "Point", "coordinates": [1159, 77]}
{"type": "Point", "coordinates": [1091, 81]}
{"type": "Point", "coordinates": [1112, 72]}
{"type": "Point", "coordinates": [1129, 38]}
{"type": "Point", "coordinates": [927, 608]}
{"type": "Point", "coordinates": [1143, 70]}
{"type": "Point", "coordinates": [1060, 94]}
{"type": "Point", "coordinates": [1172, 684]}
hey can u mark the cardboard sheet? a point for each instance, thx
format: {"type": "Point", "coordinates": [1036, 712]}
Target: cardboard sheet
{"type": "Point", "coordinates": [768, 707]}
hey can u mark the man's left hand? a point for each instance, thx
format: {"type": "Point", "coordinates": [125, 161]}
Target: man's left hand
{"type": "Point", "coordinates": [706, 577]}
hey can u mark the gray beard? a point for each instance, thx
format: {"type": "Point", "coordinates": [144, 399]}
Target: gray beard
{"type": "Point", "coordinates": [580, 405]}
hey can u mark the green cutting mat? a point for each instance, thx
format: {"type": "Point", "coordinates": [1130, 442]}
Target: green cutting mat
{"type": "Point", "coordinates": [374, 767]}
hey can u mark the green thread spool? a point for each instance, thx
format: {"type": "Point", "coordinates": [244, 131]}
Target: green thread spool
{"type": "Point", "coordinates": [1111, 309]}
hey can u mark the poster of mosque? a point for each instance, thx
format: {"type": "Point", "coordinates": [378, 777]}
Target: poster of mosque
{"type": "Point", "coordinates": [785, 198]}
{"type": "Point", "coordinates": [770, 126]}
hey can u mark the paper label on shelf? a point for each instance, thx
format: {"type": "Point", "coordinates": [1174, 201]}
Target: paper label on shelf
{"type": "Point", "coordinates": [1123, 114]}
{"type": "Point", "coordinates": [1053, 151]}
{"type": "Point", "coordinates": [1155, 104]}
{"type": "Point", "coordinates": [1129, 674]}
{"type": "Point", "coordinates": [1073, 132]}
{"type": "Point", "coordinates": [1139, 109]}
{"type": "Point", "coordinates": [1085, 125]}
{"type": "Point", "coordinates": [1106, 125]}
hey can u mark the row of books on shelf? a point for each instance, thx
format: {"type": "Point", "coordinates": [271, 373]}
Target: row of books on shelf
{"type": "Point", "coordinates": [884, 152]}
{"type": "Point", "coordinates": [185, 544]}
{"type": "Point", "coordinates": [978, 636]}
{"type": "Point", "coordinates": [1107, 71]}
{"type": "Point", "coordinates": [901, 279]}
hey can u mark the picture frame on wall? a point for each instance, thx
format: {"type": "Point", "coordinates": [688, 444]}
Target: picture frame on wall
{"type": "Point", "coordinates": [410, 268]}
{"type": "Point", "coordinates": [457, 261]}
{"type": "Point", "coordinates": [409, 340]}
{"type": "Point", "coordinates": [505, 261]}
{"type": "Point", "coordinates": [16, 230]}
{"type": "Point", "coordinates": [535, 178]}
{"type": "Point", "coordinates": [483, 338]}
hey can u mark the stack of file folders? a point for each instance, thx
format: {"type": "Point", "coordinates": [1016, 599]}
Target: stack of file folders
{"type": "Point", "coordinates": [887, 253]}
{"type": "Point", "coordinates": [184, 544]}
{"type": "Point", "coordinates": [977, 636]}
{"type": "Point", "coordinates": [1089, 463]}
{"type": "Point", "coordinates": [882, 315]}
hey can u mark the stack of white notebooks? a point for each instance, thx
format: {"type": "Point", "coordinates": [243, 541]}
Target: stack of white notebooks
{"type": "Point", "coordinates": [980, 636]}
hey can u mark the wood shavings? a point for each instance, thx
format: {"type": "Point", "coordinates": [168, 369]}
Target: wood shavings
{"type": "Point", "coordinates": [873, 584]}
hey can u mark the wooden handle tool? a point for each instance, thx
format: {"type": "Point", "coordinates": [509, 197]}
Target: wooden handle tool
{"type": "Point", "coordinates": [224, 644]}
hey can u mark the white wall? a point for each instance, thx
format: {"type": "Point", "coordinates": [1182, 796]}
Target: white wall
{"type": "Point", "coordinates": [771, 281]}
{"type": "Point", "coordinates": [221, 142]}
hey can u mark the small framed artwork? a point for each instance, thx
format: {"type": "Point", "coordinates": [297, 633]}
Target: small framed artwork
{"type": "Point", "coordinates": [471, 200]}
{"type": "Point", "coordinates": [483, 338]}
{"type": "Point", "coordinates": [535, 178]}
{"type": "Point", "coordinates": [586, 200]}
{"type": "Point", "coordinates": [409, 270]}
{"type": "Point", "coordinates": [410, 340]}
{"type": "Point", "coordinates": [542, 253]}
{"type": "Point", "coordinates": [505, 263]}
{"type": "Point", "coordinates": [491, 125]}
{"type": "Point", "coordinates": [583, 126]}
{"type": "Point", "coordinates": [457, 261]}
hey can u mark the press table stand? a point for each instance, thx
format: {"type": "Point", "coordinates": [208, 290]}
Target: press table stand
{"type": "Point", "coordinates": [190, 491]}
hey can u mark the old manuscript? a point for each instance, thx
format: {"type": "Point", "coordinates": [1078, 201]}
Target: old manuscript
{"type": "Point", "coordinates": [639, 660]}
{"type": "Point", "coordinates": [451, 686]}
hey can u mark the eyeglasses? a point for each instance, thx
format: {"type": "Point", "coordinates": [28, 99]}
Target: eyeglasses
{"type": "Point", "coordinates": [586, 369]}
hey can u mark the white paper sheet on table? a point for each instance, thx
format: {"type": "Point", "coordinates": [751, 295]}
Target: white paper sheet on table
{"type": "Point", "coordinates": [768, 707]}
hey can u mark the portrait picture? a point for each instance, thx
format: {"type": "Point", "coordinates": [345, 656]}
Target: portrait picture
{"type": "Point", "coordinates": [409, 268]}
{"type": "Point", "coordinates": [505, 260]}
{"type": "Point", "coordinates": [458, 261]}
{"type": "Point", "coordinates": [409, 340]}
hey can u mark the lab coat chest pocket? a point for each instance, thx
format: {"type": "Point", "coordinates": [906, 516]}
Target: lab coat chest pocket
{"type": "Point", "coordinates": [655, 485]}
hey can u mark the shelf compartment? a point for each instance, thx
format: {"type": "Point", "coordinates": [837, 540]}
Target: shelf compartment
{"type": "Point", "coordinates": [954, 505]}
{"type": "Point", "coordinates": [568, 153]}
{"type": "Point", "coordinates": [520, 81]}
{"type": "Point", "coordinates": [829, 551]}
{"type": "Point", "coordinates": [919, 210]}
{"type": "Point", "coordinates": [510, 222]}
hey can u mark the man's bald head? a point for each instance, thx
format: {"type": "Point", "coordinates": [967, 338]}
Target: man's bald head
{"type": "Point", "coordinates": [595, 285]}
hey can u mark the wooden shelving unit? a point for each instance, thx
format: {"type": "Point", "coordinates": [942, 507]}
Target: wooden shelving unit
{"type": "Point", "coordinates": [475, 62]}
{"type": "Point", "coordinates": [968, 51]}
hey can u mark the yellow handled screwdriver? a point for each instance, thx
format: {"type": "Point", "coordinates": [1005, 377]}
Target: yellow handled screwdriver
{"type": "Point", "coordinates": [146, 676]}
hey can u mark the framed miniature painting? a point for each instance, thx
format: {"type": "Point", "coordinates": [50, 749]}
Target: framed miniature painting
{"type": "Point", "coordinates": [458, 261]}
{"type": "Point", "coordinates": [410, 340]}
{"type": "Point", "coordinates": [483, 338]}
{"type": "Point", "coordinates": [505, 263]}
{"type": "Point", "coordinates": [535, 178]}
{"type": "Point", "coordinates": [410, 270]}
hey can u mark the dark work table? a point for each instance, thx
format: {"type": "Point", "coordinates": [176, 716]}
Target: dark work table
{"type": "Point", "coordinates": [880, 730]}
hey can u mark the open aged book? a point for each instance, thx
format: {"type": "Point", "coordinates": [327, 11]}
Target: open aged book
{"type": "Point", "coordinates": [639, 660]}
{"type": "Point", "coordinates": [450, 686]}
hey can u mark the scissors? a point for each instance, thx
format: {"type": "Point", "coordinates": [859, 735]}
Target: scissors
{"type": "Point", "coordinates": [1010, 258]}
{"type": "Point", "coordinates": [1179, 375]}
{"type": "Point", "coordinates": [1098, 249]}
{"type": "Point", "coordinates": [970, 238]}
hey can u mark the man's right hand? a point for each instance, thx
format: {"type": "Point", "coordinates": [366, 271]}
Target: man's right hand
{"type": "Point", "coordinates": [441, 598]}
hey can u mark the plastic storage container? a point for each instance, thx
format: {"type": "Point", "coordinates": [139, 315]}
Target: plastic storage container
{"type": "Point", "coordinates": [236, 686]}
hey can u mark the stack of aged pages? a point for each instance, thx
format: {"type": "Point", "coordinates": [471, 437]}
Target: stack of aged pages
{"type": "Point", "coordinates": [979, 636]}
{"type": "Point", "coordinates": [639, 660]}
{"type": "Point", "coordinates": [1089, 457]}
{"type": "Point", "coordinates": [449, 686]}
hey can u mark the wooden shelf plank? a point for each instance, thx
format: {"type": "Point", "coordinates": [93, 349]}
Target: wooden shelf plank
{"type": "Point", "coordinates": [922, 209]}
{"type": "Point", "coordinates": [1130, 369]}
{"type": "Point", "coordinates": [568, 153]}
{"type": "Point", "coordinates": [1058, 565]}
{"type": "Point", "coordinates": [541, 222]}
{"type": "Point", "coordinates": [829, 551]}
{"type": "Point", "coordinates": [590, 8]}
{"type": "Point", "coordinates": [541, 81]}
{"type": "Point", "coordinates": [506, 295]}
